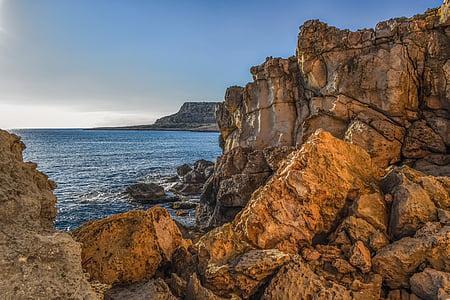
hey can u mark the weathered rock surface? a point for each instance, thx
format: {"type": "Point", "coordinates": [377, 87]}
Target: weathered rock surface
{"type": "Point", "coordinates": [155, 289]}
{"type": "Point", "coordinates": [302, 201]}
{"type": "Point", "coordinates": [385, 89]}
{"type": "Point", "coordinates": [36, 261]}
{"type": "Point", "coordinates": [128, 247]}
{"type": "Point", "coordinates": [416, 198]}
{"type": "Point", "coordinates": [431, 284]}
{"type": "Point", "coordinates": [398, 261]}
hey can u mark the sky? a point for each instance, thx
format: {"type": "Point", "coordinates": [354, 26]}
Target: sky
{"type": "Point", "coordinates": [87, 63]}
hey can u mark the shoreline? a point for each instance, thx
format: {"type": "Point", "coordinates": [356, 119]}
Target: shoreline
{"type": "Point", "coordinates": [149, 129]}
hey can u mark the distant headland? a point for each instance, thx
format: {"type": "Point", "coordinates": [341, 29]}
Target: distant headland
{"type": "Point", "coordinates": [192, 116]}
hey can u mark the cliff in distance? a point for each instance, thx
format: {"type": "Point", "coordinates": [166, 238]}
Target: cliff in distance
{"type": "Point", "coordinates": [192, 116]}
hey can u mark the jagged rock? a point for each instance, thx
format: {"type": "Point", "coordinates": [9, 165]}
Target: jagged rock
{"type": "Point", "coordinates": [372, 208]}
{"type": "Point", "coordinates": [177, 285]}
{"type": "Point", "coordinates": [183, 205]}
{"type": "Point", "coordinates": [303, 200]}
{"type": "Point", "coordinates": [401, 295]}
{"type": "Point", "coordinates": [187, 189]}
{"type": "Point", "coordinates": [202, 164]}
{"type": "Point", "coordinates": [36, 260]}
{"type": "Point", "coordinates": [244, 274]}
{"type": "Point", "coordinates": [360, 257]}
{"type": "Point", "coordinates": [194, 177]}
{"type": "Point", "coordinates": [444, 216]}
{"type": "Point", "coordinates": [298, 281]}
{"type": "Point", "coordinates": [183, 169]}
{"type": "Point", "coordinates": [146, 191]}
{"type": "Point", "coordinates": [398, 261]}
{"type": "Point", "coordinates": [154, 289]}
{"type": "Point", "coordinates": [238, 174]}
{"type": "Point", "coordinates": [415, 198]}
{"type": "Point", "coordinates": [431, 284]}
{"type": "Point", "coordinates": [128, 247]}
{"type": "Point", "coordinates": [384, 89]}
{"type": "Point", "coordinates": [195, 291]}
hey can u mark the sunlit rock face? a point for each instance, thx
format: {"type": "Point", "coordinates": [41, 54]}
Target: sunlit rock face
{"type": "Point", "coordinates": [36, 261]}
{"type": "Point", "coordinates": [385, 89]}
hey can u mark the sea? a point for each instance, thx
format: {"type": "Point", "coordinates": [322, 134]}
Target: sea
{"type": "Point", "coordinates": [92, 168]}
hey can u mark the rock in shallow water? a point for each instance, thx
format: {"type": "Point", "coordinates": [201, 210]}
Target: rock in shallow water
{"type": "Point", "coordinates": [146, 191]}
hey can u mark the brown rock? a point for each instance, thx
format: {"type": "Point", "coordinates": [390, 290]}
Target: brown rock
{"type": "Point", "coordinates": [155, 289]}
{"type": "Point", "coordinates": [298, 281]}
{"type": "Point", "coordinates": [128, 247]}
{"type": "Point", "coordinates": [360, 257]}
{"type": "Point", "coordinates": [430, 284]}
{"type": "Point", "coordinates": [36, 260]}
{"type": "Point", "coordinates": [302, 200]}
{"type": "Point", "coordinates": [415, 198]}
{"type": "Point", "coordinates": [245, 274]}
{"type": "Point", "coordinates": [399, 261]}
{"type": "Point", "coordinates": [195, 291]}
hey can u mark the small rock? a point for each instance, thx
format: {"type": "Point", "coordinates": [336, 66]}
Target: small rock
{"type": "Point", "coordinates": [430, 283]}
{"type": "Point", "coordinates": [183, 205]}
{"type": "Point", "coordinates": [183, 169]}
{"type": "Point", "coordinates": [181, 213]}
{"type": "Point", "coordinates": [194, 176]}
{"type": "Point", "coordinates": [342, 266]}
{"type": "Point", "coordinates": [444, 216]}
{"type": "Point", "coordinates": [360, 257]}
{"type": "Point", "coordinates": [146, 191]}
{"type": "Point", "coordinates": [202, 164]}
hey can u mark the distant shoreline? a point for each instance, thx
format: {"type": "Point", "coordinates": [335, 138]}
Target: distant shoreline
{"type": "Point", "coordinates": [131, 128]}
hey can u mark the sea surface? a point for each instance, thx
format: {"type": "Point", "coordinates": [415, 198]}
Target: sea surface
{"type": "Point", "coordinates": [93, 168]}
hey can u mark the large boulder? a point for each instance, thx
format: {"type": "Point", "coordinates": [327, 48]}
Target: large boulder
{"type": "Point", "coordinates": [301, 203]}
{"type": "Point", "coordinates": [36, 260]}
{"type": "Point", "coordinates": [128, 247]}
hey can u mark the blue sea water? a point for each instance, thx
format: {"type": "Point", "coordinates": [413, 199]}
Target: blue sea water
{"type": "Point", "coordinates": [93, 168]}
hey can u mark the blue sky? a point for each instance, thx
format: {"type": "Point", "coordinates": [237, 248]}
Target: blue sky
{"type": "Point", "coordinates": [82, 63]}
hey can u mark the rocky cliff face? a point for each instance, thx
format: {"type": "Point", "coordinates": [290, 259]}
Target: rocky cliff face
{"type": "Point", "coordinates": [385, 89]}
{"type": "Point", "coordinates": [190, 115]}
{"type": "Point", "coordinates": [35, 260]}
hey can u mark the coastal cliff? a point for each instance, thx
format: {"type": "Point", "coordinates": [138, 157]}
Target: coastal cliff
{"type": "Point", "coordinates": [192, 116]}
{"type": "Point", "coordinates": [384, 89]}
{"type": "Point", "coordinates": [333, 184]}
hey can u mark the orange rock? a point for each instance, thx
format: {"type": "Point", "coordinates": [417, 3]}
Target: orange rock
{"type": "Point", "coordinates": [128, 247]}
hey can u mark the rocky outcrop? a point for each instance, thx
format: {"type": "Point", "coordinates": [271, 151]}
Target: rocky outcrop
{"type": "Point", "coordinates": [190, 115]}
{"type": "Point", "coordinates": [36, 260]}
{"type": "Point", "coordinates": [333, 210]}
{"type": "Point", "coordinates": [384, 89]}
{"type": "Point", "coordinates": [128, 247]}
